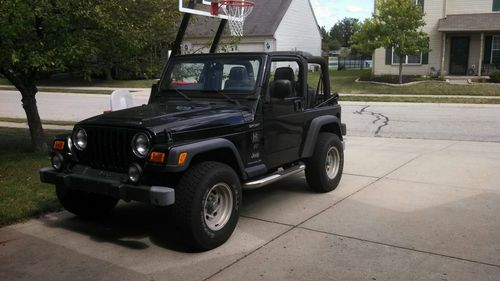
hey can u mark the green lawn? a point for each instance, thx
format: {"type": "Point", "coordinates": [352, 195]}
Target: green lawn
{"type": "Point", "coordinates": [93, 83]}
{"type": "Point", "coordinates": [22, 195]}
{"type": "Point", "coordinates": [4, 81]}
{"type": "Point", "coordinates": [343, 82]}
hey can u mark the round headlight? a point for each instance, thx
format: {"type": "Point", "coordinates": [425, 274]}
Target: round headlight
{"type": "Point", "coordinates": [57, 162]}
{"type": "Point", "coordinates": [80, 139]}
{"type": "Point", "coordinates": [134, 173]}
{"type": "Point", "coordinates": [140, 145]}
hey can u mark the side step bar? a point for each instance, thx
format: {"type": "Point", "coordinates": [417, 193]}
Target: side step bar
{"type": "Point", "coordinates": [279, 175]}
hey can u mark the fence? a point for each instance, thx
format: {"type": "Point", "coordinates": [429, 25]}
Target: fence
{"type": "Point", "coordinates": [350, 63]}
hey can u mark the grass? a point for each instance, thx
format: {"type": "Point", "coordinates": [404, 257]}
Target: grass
{"type": "Point", "coordinates": [4, 81]}
{"type": "Point", "coordinates": [22, 195]}
{"type": "Point", "coordinates": [419, 99]}
{"type": "Point", "coordinates": [65, 90]}
{"type": "Point", "coordinates": [98, 83]}
{"type": "Point", "coordinates": [343, 82]}
{"type": "Point", "coordinates": [45, 122]}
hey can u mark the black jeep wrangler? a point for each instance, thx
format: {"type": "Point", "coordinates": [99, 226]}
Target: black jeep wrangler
{"type": "Point", "coordinates": [215, 124]}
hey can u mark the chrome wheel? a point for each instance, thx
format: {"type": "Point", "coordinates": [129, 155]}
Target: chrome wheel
{"type": "Point", "coordinates": [217, 206]}
{"type": "Point", "coordinates": [332, 162]}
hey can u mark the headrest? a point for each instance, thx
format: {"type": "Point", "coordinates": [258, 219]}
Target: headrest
{"type": "Point", "coordinates": [238, 73]}
{"type": "Point", "coordinates": [281, 89]}
{"type": "Point", "coordinates": [284, 73]}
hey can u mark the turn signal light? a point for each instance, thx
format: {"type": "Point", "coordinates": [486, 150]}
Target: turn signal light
{"type": "Point", "coordinates": [157, 157]}
{"type": "Point", "coordinates": [182, 158]}
{"type": "Point", "coordinates": [58, 145]}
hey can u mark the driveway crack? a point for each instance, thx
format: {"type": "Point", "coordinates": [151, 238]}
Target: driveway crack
{"type": "Point", "coordinates": [380, 119]}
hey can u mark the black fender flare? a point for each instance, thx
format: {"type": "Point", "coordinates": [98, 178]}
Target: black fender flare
{"type": "Point", "coordinates": [196, 148]}
{"type": "Point", "coordinates": [313, 133]}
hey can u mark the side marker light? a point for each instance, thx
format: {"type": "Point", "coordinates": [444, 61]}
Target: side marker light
{"type": "Point", "coordinates": [157, 157]}
{"type": "Point", "coordinates": [58, 145]}
{"type": "Point", "coordinates": [182, 158]}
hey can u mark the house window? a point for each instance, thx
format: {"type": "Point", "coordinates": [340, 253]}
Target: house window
{"type": "Point", "coordinates": [496, 5]}
{"type": "Point", "coordinates": [412, 59]}
{"type": "Point", "coordinates": [495, 50]}
{"type": "Point", "coordinates": [420, 2]}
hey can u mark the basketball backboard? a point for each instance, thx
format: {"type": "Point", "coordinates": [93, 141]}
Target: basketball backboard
{"type": "Point", "coordinates": [202, 8]}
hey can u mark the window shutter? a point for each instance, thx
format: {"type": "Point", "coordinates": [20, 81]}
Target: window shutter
{"type": "Point", "coordinates": [496, 5]}
{"type": "Point", "coordinates": [388, 56]}
{"type": "Point", "coordinates": [421, 3]}
{"type": "Point", "coordinates": [487, 49]}
{"type": "Point", "coordinates": [425, 58]}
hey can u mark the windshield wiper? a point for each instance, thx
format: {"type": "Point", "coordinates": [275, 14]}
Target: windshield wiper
{"type": "Point", "coordinates": [182, 94]}
{"type": "Point", "coordinates": [225, 96]}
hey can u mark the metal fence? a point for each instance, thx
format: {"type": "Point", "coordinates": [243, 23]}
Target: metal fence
{"type": "Point", "coordinates": [350, 63]}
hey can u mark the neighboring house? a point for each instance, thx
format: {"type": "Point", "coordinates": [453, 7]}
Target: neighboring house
{"type": "Point", "coordinates": [277, 25]}
{"type": "Point", "coordinates": [464, 40]}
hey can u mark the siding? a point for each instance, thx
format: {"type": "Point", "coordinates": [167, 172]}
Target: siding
{"type": "Point", "coordinates": [246, 44]}
{"type": "Point", "coordinates": [298, 30]}
{"type": "Point", "coordinates": [457, 7]}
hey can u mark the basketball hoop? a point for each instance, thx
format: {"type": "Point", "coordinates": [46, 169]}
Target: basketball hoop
{"type": "Point", "coordinates": [237, 11]}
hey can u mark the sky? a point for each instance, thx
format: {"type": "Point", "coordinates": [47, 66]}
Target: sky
{"type": "Point", "coordinates": [328, 12]}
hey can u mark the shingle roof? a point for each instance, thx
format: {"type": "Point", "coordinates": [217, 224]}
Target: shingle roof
{"type": "Point", "coordinates": [263, 21]}
{"type": "Point", "coordinates": [471, 22]}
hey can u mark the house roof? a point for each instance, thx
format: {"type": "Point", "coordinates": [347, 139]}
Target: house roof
{"type": "Point", "coordinates": [471, 22]}
{"type": "Point", "coordinates": [263, 21]}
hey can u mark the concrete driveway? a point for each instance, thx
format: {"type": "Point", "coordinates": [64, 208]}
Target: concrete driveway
{"type": "Point", "coordinates": [405, 210]}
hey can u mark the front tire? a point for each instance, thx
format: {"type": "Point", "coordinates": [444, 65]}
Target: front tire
{"type": "Point", "coordinates": [208, 200]}
{"type": "Point", "coordinates": [324, 168]}
{"type": "Point", "coordinates": [83, 204]}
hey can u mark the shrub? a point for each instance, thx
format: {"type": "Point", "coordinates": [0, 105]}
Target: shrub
{"type": "Point", "coordinates": [495, 76]}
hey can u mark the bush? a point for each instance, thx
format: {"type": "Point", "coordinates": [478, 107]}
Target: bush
{"type": "Point", "coordinates": [495, 76]}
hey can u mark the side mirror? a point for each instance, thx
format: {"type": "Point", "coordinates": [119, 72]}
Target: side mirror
{"type": "Point", "coordinates": [121, 99]}
{"type": "Point", "coordinates": [281, 89]}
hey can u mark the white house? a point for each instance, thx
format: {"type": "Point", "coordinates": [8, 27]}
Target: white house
{"type": "Point", "coordinates": [464, 40]}
{"type": "Point", "coordinates": [277, 25]}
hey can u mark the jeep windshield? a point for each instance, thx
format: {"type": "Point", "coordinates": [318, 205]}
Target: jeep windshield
{"type": "Point", "coordinates": [220, 76]}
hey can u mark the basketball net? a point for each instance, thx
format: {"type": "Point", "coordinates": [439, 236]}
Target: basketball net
{"type": "Point", "coordinates": [236, 10]}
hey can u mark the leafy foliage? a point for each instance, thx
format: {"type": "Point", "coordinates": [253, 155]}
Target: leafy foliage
{"type": "Point", "coordinates": [397, 24]}
{"type": "Point", "coordinates": [328, 43]}
{"type": "Point", "coordinates": [495, 76]}
{"type": "Point", "coordinates": [343, 31]}
{"type": "Point", "coordinates": [91, 36]}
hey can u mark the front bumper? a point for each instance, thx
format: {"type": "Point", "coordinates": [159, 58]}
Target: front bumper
{"type": "Point", "coordinates": [108, 183]}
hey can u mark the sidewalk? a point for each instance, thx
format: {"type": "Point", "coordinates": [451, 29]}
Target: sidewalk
{"type": "Point", "coordinates": [405, 210]}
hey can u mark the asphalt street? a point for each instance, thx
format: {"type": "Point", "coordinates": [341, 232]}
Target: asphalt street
{"type": "Point", "coordinates": [395, 120]}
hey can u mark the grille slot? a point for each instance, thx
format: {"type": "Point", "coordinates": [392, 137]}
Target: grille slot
{"type": "Point", "coordinates": [109, 148]}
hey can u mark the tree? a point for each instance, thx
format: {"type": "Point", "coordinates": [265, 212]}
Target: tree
{"type": "Point", "coordinates": [40, 36]}
{"type": "Point", "coordinates": [328, 43]}
{"type": "Point", "coordinates": [131, 32]}
{"type": "Point", "coordinates": [55, 35]}
{"type": "Point", "coordinates": [396, 25]}
{"type": "Point", "coordinates": [343, 30]}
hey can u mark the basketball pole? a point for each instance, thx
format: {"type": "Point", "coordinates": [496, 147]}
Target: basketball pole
{"type": "Point", "coordinates": [176, 49]}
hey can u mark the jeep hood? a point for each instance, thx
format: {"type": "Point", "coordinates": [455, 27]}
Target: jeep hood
{"type": "Point", "coordinates": [174, 117]}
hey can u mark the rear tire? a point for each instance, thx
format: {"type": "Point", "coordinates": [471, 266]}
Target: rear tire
{"type": "Point", "coordinates": [324, 168]}
{"type": "Point", "coordinates": [207, 204]}
{"type": "Point", "coordinates": [83, 204]}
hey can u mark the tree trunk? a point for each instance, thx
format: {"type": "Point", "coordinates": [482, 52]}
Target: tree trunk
{"type": "Point", "coordinates": [26, 85]}
{"type": "Point", "coordinates": [401, 69]}
{"type": "Point", "coordinates": [107, 71]}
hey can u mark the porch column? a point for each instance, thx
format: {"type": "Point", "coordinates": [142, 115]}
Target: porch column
{"type": "Point", "coordinates": [481, 55]}
{"type": "Point", "coordinates": [443, 53]}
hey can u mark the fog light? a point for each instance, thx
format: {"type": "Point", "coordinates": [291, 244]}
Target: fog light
{"type": "Point", "coordinates": [57, 162]}
{"type": "Point", "coordinates": [134, 173]}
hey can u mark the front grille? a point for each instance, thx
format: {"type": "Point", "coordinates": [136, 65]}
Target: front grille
{"type": "Point", "coordinates": [109, 148]}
